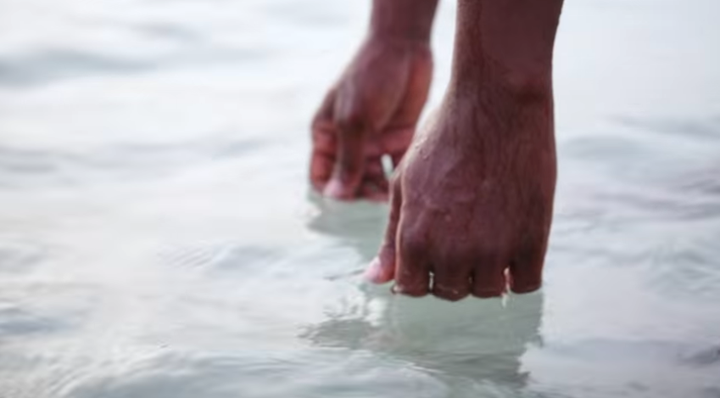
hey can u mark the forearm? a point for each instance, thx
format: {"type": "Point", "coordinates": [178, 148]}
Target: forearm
{"type": "Point", "coordinates": [403, 19]}
{"type": "Point", "coordinates": [506, 42]}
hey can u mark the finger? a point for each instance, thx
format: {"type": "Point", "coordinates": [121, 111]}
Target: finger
{"type": "Point", "coordinates": [488, 278]}
{"type": "Point", "coordinates": [349, 166]}
{"type": "Point", "coordinates": [412, 270]}
{"type": "Point", "coordinates": [320, 169]}
{"type": "Point", "coordinates": [375, 185]}
{"type": "Point", "coordinates": [382, 268]}
{"type": "Point", "coordinates": [322, 159]}
{"type": "Point", "coordinates": [451, 280]}
{"type": "Point", "coordinates": [324, 143]}
{"type": "Point", "coordinates": [397, 143]}
{"type": "Point", "coordinates": [526, 270]}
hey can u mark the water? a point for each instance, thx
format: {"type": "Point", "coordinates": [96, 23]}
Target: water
{"type": "Point", "coordinates": [157, 236]}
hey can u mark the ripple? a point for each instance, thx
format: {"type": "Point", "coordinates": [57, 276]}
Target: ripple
{"type": "Point", "coordinates": [42, 68]}
{"type": "Point", "coordinates": [268, 374]}
{"type": "Point", "coordinates": [220, 258]}
{"type": "Point", "coordinates": [705, 357]}
{"type": "Point", "coordinates": [17, 257]}
{"type": "Point", "coordinates": [20, 322]}
{"type": "Point", "coordinates": [176, 32]}
{"type": "Point", "coordinates": [687, 268]}
{"type": "Point", "coordinates": [25, 168]}
{"type": "Point", "coordinates": [707, 130]}
{"type": "Point", "coordinates": [29, 310]}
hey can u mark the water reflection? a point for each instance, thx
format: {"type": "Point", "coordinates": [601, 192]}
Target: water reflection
{"type": "Point", "coordinates": [466, 345]}
{"type": "Point", "coordinates": [356, 225]}
{"type": "Point", "coordinates": [474, 341]}
{"type": "Point", "coordinates": [152, 165]}
{"type": "Point", "coordinates": [257, 374]}
{"type": "Point", "coordinates": [179, 376]}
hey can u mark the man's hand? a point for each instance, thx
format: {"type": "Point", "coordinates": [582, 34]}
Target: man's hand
{"type": "Point", "coordinates": [472, 202]}
{"type": "Point", "coordinates": [370, 112]}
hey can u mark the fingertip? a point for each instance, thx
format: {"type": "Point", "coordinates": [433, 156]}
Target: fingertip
{"type": "Point", "coordinates": [334, 189]}
{"type": "Point", "coordinates": [526, 277]}
{"type": "Point", "coordinates": [523, 289]}
{"type": "Point", "coordinates": [321, 165]}
{"type": "Point", "coordinates": [377, 273]}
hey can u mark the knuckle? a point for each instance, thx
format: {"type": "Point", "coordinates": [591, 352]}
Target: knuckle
{"type": "Point", "coordinates": [455, 259]}
{"type": "Point", "coordinates": [324, 142]}
{"type": "Point", "coordinates": [352, 122]}
{"type": "Point", "coordinates": [321, 127]}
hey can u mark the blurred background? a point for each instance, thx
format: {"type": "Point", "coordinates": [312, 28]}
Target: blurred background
{"type": "Point", "coordinates": [158, 237]}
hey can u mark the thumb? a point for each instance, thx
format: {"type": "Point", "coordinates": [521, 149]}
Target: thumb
{"type": "Point", "coordinates": [382, 268]}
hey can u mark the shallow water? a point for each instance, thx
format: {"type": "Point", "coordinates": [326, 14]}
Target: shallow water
{"type": "Point", "coordinates": [157, 236]}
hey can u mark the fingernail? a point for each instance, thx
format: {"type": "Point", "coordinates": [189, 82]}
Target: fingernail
{"type": "Point", "coordinates": [333, 189]}
{"type": "Point", "coordinates": [372, 273]}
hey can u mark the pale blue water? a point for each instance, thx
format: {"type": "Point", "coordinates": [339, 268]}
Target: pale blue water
{"type": "Point", "coordinates": [157, 236]}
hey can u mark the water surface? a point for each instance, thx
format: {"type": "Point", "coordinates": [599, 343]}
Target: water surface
{"type": "Point", "coordinates": [158, 239]}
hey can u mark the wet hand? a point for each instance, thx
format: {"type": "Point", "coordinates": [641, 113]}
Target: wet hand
{"type": "Point", "coordinates": [370, 112]}
{"type": "Point", "coordinates": [472, 203]}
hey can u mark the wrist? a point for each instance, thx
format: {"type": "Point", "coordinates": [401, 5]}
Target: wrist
{"type": "Point", "coordinates": [402, 20]}
{"type": "Point", "coordinates": [499, 84]}
{"type": "Point", "coordinates": [505, 46]}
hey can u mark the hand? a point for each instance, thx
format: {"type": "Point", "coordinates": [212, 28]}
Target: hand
{"type": "Point", "coordinates": [372, 111]}
{"type": "Point", "coordinates": [472, 202]}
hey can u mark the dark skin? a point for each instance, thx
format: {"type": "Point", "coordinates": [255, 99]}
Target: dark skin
{"type": "Point", "coordinates": [374, 108]}
{"type": "Point", "coordinates": [472, 202]}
